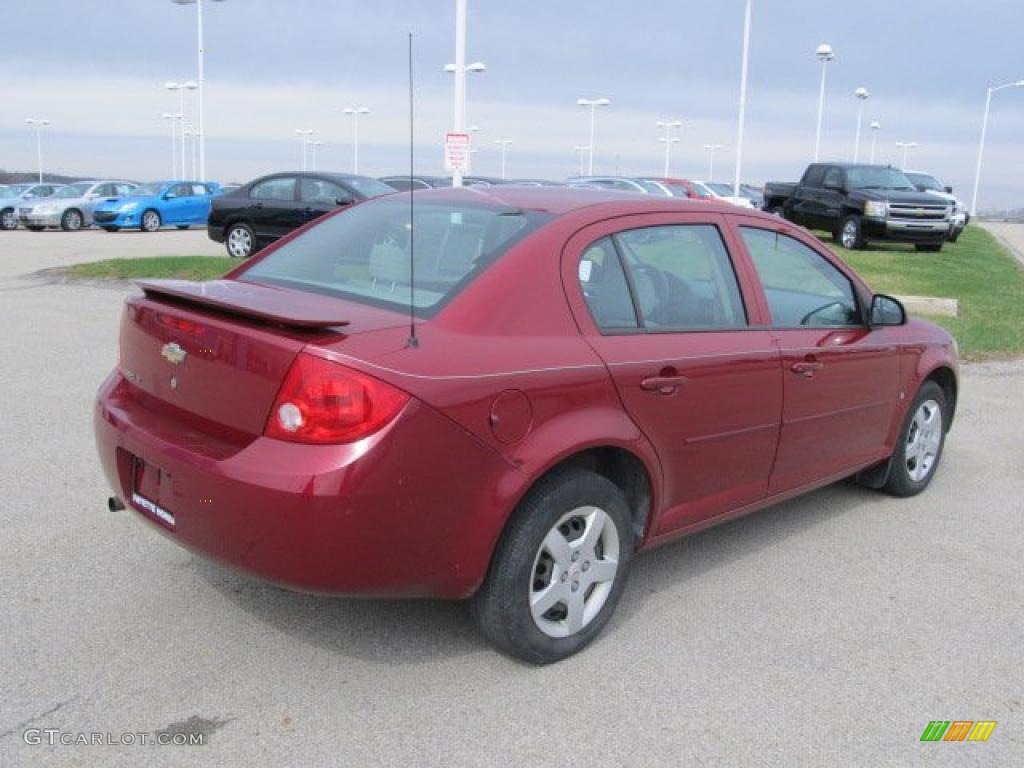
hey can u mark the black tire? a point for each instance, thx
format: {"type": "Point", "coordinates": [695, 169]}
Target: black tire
{"type": "Point", "coordinates": [72, 220]}
{"type": "Point", "coordinates": [955, 236]}
{"type": "Point", "coordinates": [34, 228]}
{"type": "Point", "coordinates": [928, 247]}
{"type": "Point", "coordinates": [901, 480]}
{"type": "Point", "coordinates": [850, 233]}
{"type": "Point", "coordinates": [240, 241]}
{"type": "Point", "coordinates": [150, 221]}
{"type": "Point", "coordinates": [8, 219]}
{"type": "Point", "coordinates": [182, 226]}
{"type": "Point", "coordinates": [520, 566]}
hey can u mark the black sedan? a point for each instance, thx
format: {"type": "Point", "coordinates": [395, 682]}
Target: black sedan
{"type": "Point", "coordinates": [258, 213]}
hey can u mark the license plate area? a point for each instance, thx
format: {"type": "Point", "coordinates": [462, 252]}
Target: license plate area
{"type": "Point", "coordinates": [147, 481]}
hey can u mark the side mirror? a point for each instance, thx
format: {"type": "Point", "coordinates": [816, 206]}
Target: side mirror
{"type": "Point", "coordinates": [949, 190]}
{"type": "Point", "coordinates": [885, 310]}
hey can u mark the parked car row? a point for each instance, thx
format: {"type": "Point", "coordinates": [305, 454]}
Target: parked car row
{"type": "Point", "coordinates": [859, 203]}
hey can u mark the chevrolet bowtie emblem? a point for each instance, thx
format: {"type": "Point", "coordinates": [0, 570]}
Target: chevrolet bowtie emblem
{"type": "Point", "coordinates": [173, 353]}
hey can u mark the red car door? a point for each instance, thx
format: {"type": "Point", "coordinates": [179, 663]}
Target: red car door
{"type": "Point", "coordinates": [659, 299]}
{"type": "Point", "coordinates": [841, 376]}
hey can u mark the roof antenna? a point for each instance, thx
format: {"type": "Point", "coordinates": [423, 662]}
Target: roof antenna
{"type": "Point", "coordinates": [413, 341]}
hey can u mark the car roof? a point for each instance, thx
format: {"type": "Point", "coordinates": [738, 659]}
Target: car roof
{"type": "Point", "coordinates": [564, 200]}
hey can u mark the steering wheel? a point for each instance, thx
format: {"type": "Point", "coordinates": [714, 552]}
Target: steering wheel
{"type": "Point", "coordinates": [804, 320]}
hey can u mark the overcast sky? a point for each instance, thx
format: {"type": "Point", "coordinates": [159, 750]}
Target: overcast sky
{"type": "Point", "coordinates": [96, 70]}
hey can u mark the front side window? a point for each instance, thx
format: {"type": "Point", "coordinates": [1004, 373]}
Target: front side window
{"type": "Point", "coordinates": [323, 192]}
{"type": "Point", "coordinates": [281, 188]}
{"type": "Point", "coordinates": [833, 179]}
{"type": "Point", "coordinates": [363, 253]}
{"type": "Point", "coordinates": [802, 287]}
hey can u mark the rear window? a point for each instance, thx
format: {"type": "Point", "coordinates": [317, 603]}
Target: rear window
{"type": "Point", "coordinates": [363, 253]}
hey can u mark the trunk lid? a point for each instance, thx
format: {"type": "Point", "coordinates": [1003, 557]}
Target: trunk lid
{"type": "Point", "coordinates": [215, 354]}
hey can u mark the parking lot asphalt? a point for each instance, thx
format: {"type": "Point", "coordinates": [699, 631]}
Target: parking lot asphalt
{"type": "Point", "coordinates": [827, 631]}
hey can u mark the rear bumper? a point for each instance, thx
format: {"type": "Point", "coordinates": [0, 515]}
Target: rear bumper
{"type": "Point", "coordinates": [382, 516]}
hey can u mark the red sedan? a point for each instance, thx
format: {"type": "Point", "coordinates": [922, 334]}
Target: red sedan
{"type": "Point", "coordinates": [581, 375]}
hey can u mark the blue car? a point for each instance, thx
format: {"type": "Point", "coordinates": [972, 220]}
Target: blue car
{"type": "Point", "coordinates": [158, 204]}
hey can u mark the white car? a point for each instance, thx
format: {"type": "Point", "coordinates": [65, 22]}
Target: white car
{"type": "Point", "coordinates": [725, 192]}
{"type": "Point", "coordinates": [925, 182]}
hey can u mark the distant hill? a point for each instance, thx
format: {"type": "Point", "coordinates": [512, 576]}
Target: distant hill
{"type": "Point", "coordinates": [16, 177]}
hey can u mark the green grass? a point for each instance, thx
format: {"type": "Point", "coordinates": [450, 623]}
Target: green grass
{"type": "Point", "coordinates": [975, 270]}
{"type": "Point", "coordinates": [182, 267]}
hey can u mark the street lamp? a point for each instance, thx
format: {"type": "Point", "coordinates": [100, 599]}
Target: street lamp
{"type": "Point", "coordinates": [875, 126]}
{"type": "Point", "coordinates": [172, 117]}
{"type": "Point", "coordinates": [199, 60]}
{"type": "Point", "coordinates": [862, 96]}
{"type": "Point", "coordinates": [981, 146]}
{"type": "Point", "coordinates": [825, 54]}
{"type": "Point", "coordinates": [188, 85]}
{"type": "Point", "coordinates": [459, 69]}
{"type": "Point", "coordinates": [593, 104]}
{"type": "Point", "coordinates": [743, 99]}
{"type": "Point", "coordinates": [313, 144]}
{"type": "Point", "coordinates": [39, 123]}
{"type": "Point", "coordinates": [905, 145]}
{"type": "Point", "coordinates": [304, 134]}
{"type": "Point", "coordinates": [504, 144]}
{"type": "Point", "coordinates": [668, 139]}
{"type": "Point", "coordinates": [193, 134]}
{"type": "Point", "coordinates": [581, 150]}
{"type": "Point", "coordinates": [712, 148]}
{"type": "Point", "coordinates": [355, 112]}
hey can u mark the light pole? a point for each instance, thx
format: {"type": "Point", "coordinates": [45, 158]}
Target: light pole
{"type": "Point", "coordinates": [743, 100]}
{"type": "Point", "coordinates": [862, 96]}
{"type": "Point", "coordinates": [593, 104]}
{"type": "Point", "coordinates": [313, 144]}
{"type": "Point", "coordinates": [875, 126]}
{"type": "Point", "coordinates": [304, 134]}
{"type": "Point", "coordinates": [825, 54]}
{"type": "Point", "coordinates": [459, 69]}
{"type": "Point", "coordinates": [504, 144]}
{"type": "Point", "coordinates": [581, 150]}
{"type": "Point", "coordinates": [905, 145]}
{"type": "Point", "coordinates": [201, 52]}
{"type": "Point", "coordinates": [712, 148]}
{"type": "Point", "coordinates": [172, 117]}
{"type": "Point", "coordinates": [191, 132]}
{"type": "Point", "coordinates": [188, 85]}
{"type": "Point", "coordinates": [668, 140]}
{"type": "Point", "coordinates": [981, 145]}
{"type": "Point", "coordinates": [355, 112]}
{"type": "Point", "coordinates": [39, 123]}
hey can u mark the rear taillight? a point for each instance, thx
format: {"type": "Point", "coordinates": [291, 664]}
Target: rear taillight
{"type": "Point", "coordinates": [324, 402]}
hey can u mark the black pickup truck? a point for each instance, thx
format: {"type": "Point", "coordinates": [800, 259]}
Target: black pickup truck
{"type": "Point", "coordinates": [859, 203]}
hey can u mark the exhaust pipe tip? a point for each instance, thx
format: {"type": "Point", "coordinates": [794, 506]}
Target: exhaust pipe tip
{"type": "Point", "coordinates": [114, 504]}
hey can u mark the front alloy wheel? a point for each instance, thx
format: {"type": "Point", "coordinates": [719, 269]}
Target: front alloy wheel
{"type": "Point", "coordinates": [150, 221]}
{"type": "Point", "coordinates": [851, 234]}
{"type": "Point", "coordinates": [71, 221]}
{"type": "Point", "coordinates": [922, 438]}
{"type": "Point", "coordinates": [559, 569]}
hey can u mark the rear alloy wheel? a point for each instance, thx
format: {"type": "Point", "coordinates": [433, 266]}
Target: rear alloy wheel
{"type": "Point", "coordinates": [559, 570]}
{"type": "Point", "coordinates": [150, 221]}
{"type": "Point", "coordinates": [239, 241]}
{"type": "Point", "coordinates": [921, 441]}
{"type": "Point", "coordinates": [851, 233]}
{"type": "Point", "coordinates": [8, 219]}
{"type": "Point", "coordinates": [71, 221]}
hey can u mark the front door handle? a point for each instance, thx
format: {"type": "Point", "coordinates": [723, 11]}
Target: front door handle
{"type": "Point", "coordinates": [665, 385]}
{"type": "Point", "coordinates": [807, 369]}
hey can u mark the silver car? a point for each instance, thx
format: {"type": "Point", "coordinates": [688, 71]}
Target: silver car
{"type": "Point", "coordinates": [14, 196]}
{"type": "Point", "coordinates": [70, 207]}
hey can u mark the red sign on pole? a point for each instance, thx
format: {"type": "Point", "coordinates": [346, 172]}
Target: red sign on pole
{"type": "Point", "coordinates": [456, 152]}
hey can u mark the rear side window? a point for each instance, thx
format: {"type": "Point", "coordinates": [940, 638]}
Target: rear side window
{"type": "Point", "coordinates": [363, 253]}
{"type": "Point", "coordinates": [282, 188]}
{"type": "Point", "coordinates": [667, 278]}
{"type": "Point", "coordinates": [802, 287]}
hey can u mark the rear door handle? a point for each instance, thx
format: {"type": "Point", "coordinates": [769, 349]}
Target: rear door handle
{"type": "Point", "coordinates": [806, 369]}
{"type": "Point", "coordinates": [665, 385]}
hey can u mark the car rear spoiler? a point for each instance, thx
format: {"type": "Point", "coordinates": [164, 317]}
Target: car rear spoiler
{"type": "Point", "coordinates": [278, 306]}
